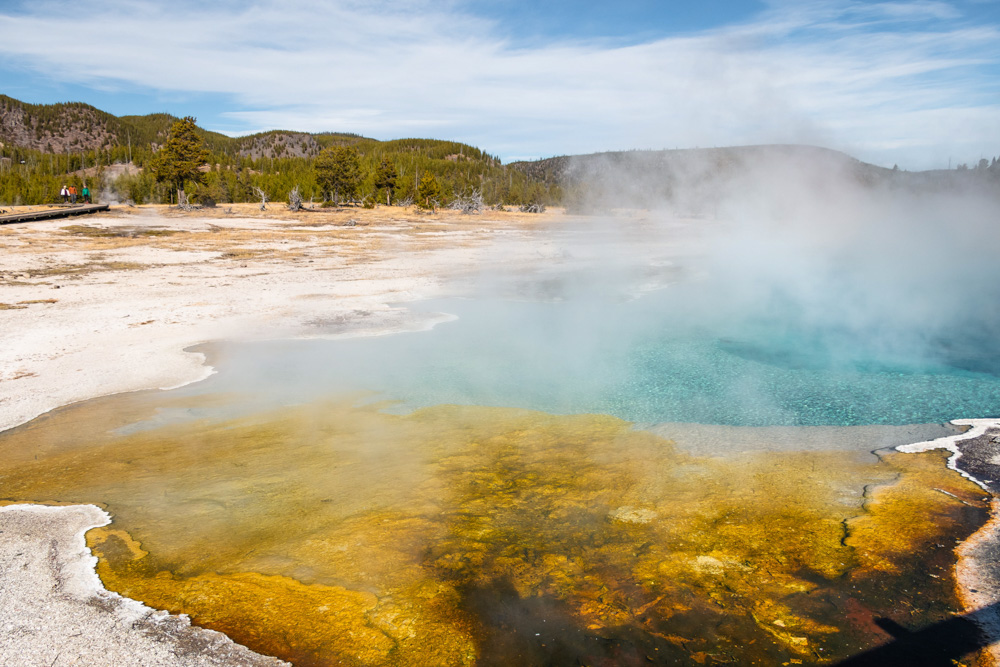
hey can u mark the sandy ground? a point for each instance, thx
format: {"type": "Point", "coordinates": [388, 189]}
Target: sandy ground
{"type": "Point", "coordinates": [103, 304]}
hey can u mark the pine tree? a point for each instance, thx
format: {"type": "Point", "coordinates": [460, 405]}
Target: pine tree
{"type": "Point", "coordinates": [385, 179]}
{"type": "Point", "coordinates": [338, 168]}
{"type": "Point", "coordinates": [429, 192]}
{"type": "Point", "coordinates": [180, 156]}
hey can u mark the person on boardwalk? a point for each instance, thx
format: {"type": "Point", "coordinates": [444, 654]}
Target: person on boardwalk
{"type": "Point", "coordinates": [72, 194]}
{"type": "Point", "coordinates": [86, 193]}
{"type": "Point", "coordinates": [64, 193]}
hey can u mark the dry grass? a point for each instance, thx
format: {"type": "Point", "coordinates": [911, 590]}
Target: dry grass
{"type": "Point", "coordinates": [320, 217]}
{"type": "Point", "coordinates": [246, 253]}
{"type": "Point", "coordinates": [241, 233]}
{"type": "Point", "coordinates": [20, 305]}
{"type": "Point", "coordinates": [119, 232]}
{"type": "Point", "coordinates": [82, 269]}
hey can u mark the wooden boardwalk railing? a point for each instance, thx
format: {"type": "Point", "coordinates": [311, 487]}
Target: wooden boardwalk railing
{"type": "Point", "coordinates": [68, 211]}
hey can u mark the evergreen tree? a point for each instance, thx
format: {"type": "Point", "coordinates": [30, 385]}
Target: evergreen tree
{"type": "Point", "coordinates": [180, 156]}
{"type": "Point", "coordinates": [338, 168]}
{"type": "Point", "coordinates": [385, 179]}
{"type": "Point", "coordinates": [429, 192]}
{"type": "Point", "coordinates": [33, 171]}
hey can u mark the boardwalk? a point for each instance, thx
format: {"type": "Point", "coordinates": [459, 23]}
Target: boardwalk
{"type": "Point", "coordinates": [62, 212]}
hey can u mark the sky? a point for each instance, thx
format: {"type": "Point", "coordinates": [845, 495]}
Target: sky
{"type": "Point", "coordinates": [914, 83]}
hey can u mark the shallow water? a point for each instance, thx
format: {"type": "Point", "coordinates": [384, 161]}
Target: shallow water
{"type": "Point", "coordinates": [337, 534]}
{"type": "Point", "coordinates": [631, 358]}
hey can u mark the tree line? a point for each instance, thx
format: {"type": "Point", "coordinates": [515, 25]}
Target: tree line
{"type": "Point", "coordinates": [239, 169]}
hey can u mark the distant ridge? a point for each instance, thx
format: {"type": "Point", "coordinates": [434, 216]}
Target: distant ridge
{"type": "Point", "coordinates": [46, 146]}
{"type": "Point", "coordinates": [568, 169]}
{"type": "Point", "coordinates": [75, 126]}
{"type": "Point", "coordinates": [646, 178]}
{"type": "Point", "coordinates": [56, 143]}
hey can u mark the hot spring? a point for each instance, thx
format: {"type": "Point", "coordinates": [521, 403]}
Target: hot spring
{"type": "Point", "coordinates": [645, 452]}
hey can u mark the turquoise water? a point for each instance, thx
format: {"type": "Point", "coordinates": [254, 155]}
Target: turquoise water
{"type": "Point", "coordinates": [645, 360]}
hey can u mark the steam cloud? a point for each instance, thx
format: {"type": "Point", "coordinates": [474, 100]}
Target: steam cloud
{"type": "Point", "coordinates": [777, 286]}
{"type": "Point", "coordinates": [866, 261]}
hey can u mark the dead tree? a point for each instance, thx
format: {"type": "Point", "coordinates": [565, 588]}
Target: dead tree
{"type": "Point", "coordinates": [294, 199]}
{"type": "Point", "coordinates": [263, 197]}
{"type": "Point", "coordinates": [182, 201]}
{"type": "Point", "coordinates": [469, 204]}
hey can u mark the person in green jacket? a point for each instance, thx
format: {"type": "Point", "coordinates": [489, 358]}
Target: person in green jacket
{"type": "Point", "coordinates": [86, 194]}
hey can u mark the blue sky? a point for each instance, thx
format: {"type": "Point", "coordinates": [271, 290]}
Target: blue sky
{"type": "Point", "coordinates": [914, 83]}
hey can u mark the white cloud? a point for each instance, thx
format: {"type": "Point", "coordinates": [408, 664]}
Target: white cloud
{"type": "Point", "coordinates": [860, 76]}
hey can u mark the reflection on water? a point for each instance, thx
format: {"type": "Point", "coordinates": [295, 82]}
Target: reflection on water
{"type": "Point", "coordinates": [335, 534]}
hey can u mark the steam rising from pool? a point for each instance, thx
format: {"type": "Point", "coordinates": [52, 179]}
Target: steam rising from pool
{"type": "Point", "coordinates": [802, 294]}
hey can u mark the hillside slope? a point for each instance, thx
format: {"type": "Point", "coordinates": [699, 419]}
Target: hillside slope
{"type": "Point", "coordinates": [691, 179]}
{"type": "Point", "coordinates": [43, 147]}
{"type": "Point", "coordinates": [75, 126]}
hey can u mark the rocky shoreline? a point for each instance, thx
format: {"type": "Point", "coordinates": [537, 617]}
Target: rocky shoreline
{"type": "Point", "coordinates": [977, 572]}
{"type": "Point", "coordinates": [55, 610]}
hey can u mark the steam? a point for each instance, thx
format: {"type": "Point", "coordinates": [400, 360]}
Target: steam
{"type": "Point", "coordinates": [866, 262]}
{"type": "Point", "coordinates": [790, 285]}
{"type": "Point", "coordinates": [779, 286]}
{"type": "Point", "coordinates": [888, 272]}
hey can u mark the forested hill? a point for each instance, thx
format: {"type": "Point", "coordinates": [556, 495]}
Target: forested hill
{"type": "Point", "coordinates": [75, 127]}
{"type": "Point", "coordinates": [718, 162]}
{"type": "Point", "coordinates": [693, 178]}
{"type": "Point", "coordinates": [43, 147]}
